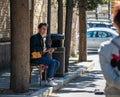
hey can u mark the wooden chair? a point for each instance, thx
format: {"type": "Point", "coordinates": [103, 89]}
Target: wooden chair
{"type": "Point", "coordinates": [41, 68]}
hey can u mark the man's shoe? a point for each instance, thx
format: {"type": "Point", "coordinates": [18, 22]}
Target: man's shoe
{"type": "Point", "coordinates": [51, 83]}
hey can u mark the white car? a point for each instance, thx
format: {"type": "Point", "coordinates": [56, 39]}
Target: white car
{"type": "Point", "coordinates": [95, 36]}
{"type": "Point", "coordinates": [114, 28]}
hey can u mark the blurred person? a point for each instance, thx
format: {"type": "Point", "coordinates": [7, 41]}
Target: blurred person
{"type": "Point", "coordinates": [38, 54]}
{"type": "Point", "coordinates": [109, 54]}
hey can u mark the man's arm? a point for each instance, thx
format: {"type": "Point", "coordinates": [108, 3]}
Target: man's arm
{"type": "Point", "coordinates": [34, 44]}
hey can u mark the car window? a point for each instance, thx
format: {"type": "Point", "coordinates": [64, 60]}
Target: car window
{"type": "Point", "coordinates": [100, 25]}
{"type": "Point", "coordinates": [89, 34]}
{"type": "Point", "coordinates": [103, 34]}
{"type": "Point", "coordinates": [92, 34]}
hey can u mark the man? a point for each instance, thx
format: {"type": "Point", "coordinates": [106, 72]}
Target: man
{"type": "Point", "coordinates": [38, 53]}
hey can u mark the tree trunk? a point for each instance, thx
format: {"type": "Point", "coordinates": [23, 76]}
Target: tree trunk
{"type": "Point", "coordinates": [109, 10]}
{"type": "Point", "coordinates": [60, 16]}
{"type": "Point", "coordinates": [68, 30]}
{"type": "Point", "coordinates": [74, 41]}
{"type": "Point", "coordinates": [32, 17]}
{"type": "Point", "coordinates": [82, 34]}
{"type": "Point", "coordinates": [48, 39]}
{"type": "Point", "coordinates": [20, 58]}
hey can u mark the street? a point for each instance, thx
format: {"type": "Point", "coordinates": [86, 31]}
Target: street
{"type": "Point", "coordinates": [84, 86]}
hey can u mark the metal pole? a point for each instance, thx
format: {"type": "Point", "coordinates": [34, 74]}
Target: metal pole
{"type": "Point", "coordinates": [96, 13]}
{"type": "Point", "coordinates": [48, 39]}
{"type": "Point", "coordinates": [109, 10]}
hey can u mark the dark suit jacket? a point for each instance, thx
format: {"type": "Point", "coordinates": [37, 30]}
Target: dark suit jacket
{"type": "Point", "coordinates": [36, 43]}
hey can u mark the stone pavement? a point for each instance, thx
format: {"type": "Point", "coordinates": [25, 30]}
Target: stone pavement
{"type": "Point", "coordinates": [4, 78]}
{"type": "Point", "coordinates": [84, 86]}
{"type": "Point", "coordinates": [76, 69]}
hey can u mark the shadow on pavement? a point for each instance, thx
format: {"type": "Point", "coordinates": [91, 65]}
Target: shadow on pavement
{"type": "Point", "coordinates": [5, 78]}
{"type": "Point", "coordinates": [79, 85]}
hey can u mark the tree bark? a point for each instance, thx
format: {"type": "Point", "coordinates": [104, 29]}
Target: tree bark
{"type": "Point", "coordinates": [20, 58]}
{"type": "Point", "coordinates": [82, 32]}
{"type": "Point", "coordinates": [74, 41]}
{"type": "Point", "coordinates": [68, 30]}
{"type": "Point", "coordinates": [48, 39]}
{"type": "Point", "coordinates": [32, 17]}
{"type": "Point", "coordinates": [60, 16]}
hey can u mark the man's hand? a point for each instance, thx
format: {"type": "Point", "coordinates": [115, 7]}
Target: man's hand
{"type": "Point", "coordinates": [50, 51]}
{"type": "Point", "coordinates": [44, 50]}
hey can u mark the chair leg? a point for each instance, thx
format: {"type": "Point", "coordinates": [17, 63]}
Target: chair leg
{"type": "Point", "coordinates": [45, 75]}
{"type": "Point", "coordinates": [40, 70]}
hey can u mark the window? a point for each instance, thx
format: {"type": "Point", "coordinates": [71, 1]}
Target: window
{"type": "Point", "coordinates": [103, 34]}
{"type": "Point", "coordinates": [92, 34]}
{"type": "Point", "coordinates": [89, 34]}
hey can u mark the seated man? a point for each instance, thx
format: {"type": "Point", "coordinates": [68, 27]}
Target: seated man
{"type": "Point", "coordinates": [38, 52]}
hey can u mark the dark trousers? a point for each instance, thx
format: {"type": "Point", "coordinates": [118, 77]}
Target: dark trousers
{"type": "Point", "coordinates": [52, 64]}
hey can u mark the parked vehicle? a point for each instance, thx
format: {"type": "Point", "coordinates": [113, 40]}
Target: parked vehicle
{"type": "Point", "coordinates": [115, 29]}
{"type": "Point", "coordinates": [95, 36]}
{"type": "Point", "coordinates": [99, 24]}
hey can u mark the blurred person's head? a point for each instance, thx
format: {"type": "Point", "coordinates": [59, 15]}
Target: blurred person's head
{"type": "Point", "coordinates": [42, 29]}
{"type": "Point", "coordinates": [116, 16]}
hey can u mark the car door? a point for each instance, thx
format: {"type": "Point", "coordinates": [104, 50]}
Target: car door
{"type": "Point", "coordinates": [102, 36]}
{"type": "Point", "coordinates": [91, 39]}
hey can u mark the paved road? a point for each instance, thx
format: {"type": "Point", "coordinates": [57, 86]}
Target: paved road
{"type": "Point", "coordinates": [84, 86]}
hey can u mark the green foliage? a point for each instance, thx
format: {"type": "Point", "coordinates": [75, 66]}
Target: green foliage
{"type": "Point", "coordinates": [90, 4]}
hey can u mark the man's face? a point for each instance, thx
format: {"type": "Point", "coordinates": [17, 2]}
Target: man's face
{"type": "Point", "coordinates": [43, 31]}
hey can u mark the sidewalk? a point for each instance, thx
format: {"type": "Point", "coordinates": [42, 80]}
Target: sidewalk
{"type": "Point", "coordinates": [84, 86]}
{"type": "Point", "coordinates": [36, 90]}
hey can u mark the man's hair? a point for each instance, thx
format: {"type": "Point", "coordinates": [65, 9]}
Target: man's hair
{"type": "Point", "coordinates": [42, 24]}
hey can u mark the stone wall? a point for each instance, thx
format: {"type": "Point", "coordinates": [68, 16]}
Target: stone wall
{"type": "Point", "coordinates": [4, 55]}
{"type": "Point", "coordinates": [40, 13]}
{"type": "Point", "coordinates": [4, 20]}
{"type": "Point", "coordinates": [4, 33]}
